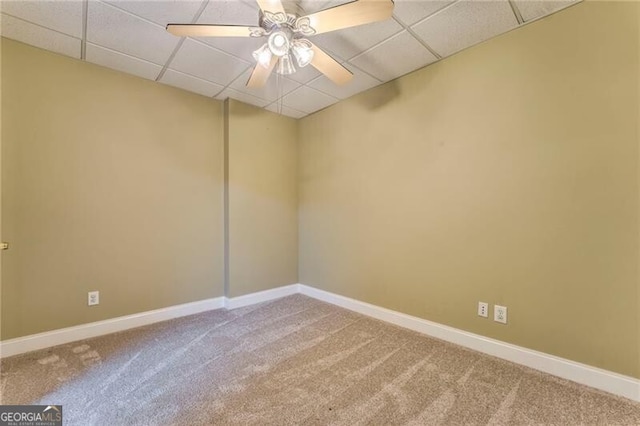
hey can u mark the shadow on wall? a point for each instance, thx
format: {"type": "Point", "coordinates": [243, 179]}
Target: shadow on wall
{"type": "Point", "coordinates": [379, 96]}
{"type": "Point", "coordinates": [386, 93]}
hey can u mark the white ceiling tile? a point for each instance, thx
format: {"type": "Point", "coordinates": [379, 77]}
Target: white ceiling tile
{"type": "Point", "coordinates": [243, 97]}
{"type": "Point", "coordinates": [240, 47]}
{"type": "Point", "coordinates": [230, 12]}
{"type": "Point", "coordinates": [271, 91]}
{"type": "Point", "coordinates": [251, 3]}
{"type": "Point", "coordinates": [161, 12]}
{"type": "Point", "coordinates": [412, 11]}
{"type": "Point", "coordinates": [190, 83]}
{"type": "Point", "coordinates": [349, 42]}
{"type": "Point", "coordinates": [305, 75]}
{"type": "Point", "coordinates": [120, 31]}
{"type": "Point", "coordinates": [360, 82]}
{"type": "Point", "coordinates": [225, 12]}
{"type": "Point", "coordinates": [62, 16]}
{"type": "Point", "coordinates": [284, 110]}
{"type": "Point", "coordinates": [395, 57]}
{"type": "Point", "coordinates": [207, 63]}
{"type": "Point", "coordinates": [464, 24]}
{"type": "Point", "coordinates": [313, 6]}
{"type": "Point", "coordinates": [26, 32]}
{"type": "Point", "coordinates": [121, 62]}
{"type": "Point", "coordinates": [306, 7]}
{"type": "Point", "coordinates": [533, 9]}
{"type": "Point", "coordinates": [308, 100]}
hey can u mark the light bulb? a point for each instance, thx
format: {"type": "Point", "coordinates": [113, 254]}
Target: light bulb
{"type": "Point", "coordinates": [280, 41]}
{"type": "Point", "coordinates": [263, 56]}
{"type": "Point", "coordinates": [303, 52]}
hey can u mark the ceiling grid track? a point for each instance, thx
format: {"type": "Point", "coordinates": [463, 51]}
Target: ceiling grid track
{"type": "Point", "coordinates": [364, 52]}
{"type": "Point", "coordinates": [284, 106]}
{"type": "Point", "coordinates": [411, 32]}
{"type": "Point", "coordinates": [228, 86]}
{"type": "Point", "coordinates": [83, 42]}
{"type": "Point", "coordinates": [181, 42]}
{"type": "Point", "coordinates": [418, 39]}
{"type": "Point", "coordinates": [173, 54]}
{"type": "Point", "coordinates": [346, 61]}
{"type": "Point", "coordinates": [516, 12]}
{"type": "Point", "coordinates": [365, 72]}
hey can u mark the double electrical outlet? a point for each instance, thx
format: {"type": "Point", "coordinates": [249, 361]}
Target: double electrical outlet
{"type": "Point", "coordinates": [499, 312]}
{"type": "Point", "coordinates": [93, 298]}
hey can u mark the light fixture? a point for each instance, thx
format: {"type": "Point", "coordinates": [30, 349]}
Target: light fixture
{"type": "Point", "coordinates": [285, 47]}
{"type": "Point", "coordinates": [284, 25]}
{"type": "Point", "coordinates": [280, 41]}
{"type": "Point", "coordinates": [263, 55]}
{"type": "Point", "coordinates": [303, 52]}
{"type": "Point", "coordinates": [285, 65]}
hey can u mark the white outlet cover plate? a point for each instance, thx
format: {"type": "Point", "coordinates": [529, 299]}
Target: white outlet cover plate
{"type": "Point", "coordinates": [483, 309]}
{"type": "Point", "coordinates": [93, 298]}
{"type": "Point", "coordinates": [500, 314]}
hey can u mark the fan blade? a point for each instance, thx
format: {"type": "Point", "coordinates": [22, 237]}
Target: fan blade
{"type": "Point", "coordinates": [260, 74]}
{"type": "Point", "coordinates": [203, 30]}
{"type": "Point", "coordinates": [359, 12]}
{"type": "Point", "coordinates": [273, 6]}
{"type": "Point", "coordinates": [329, 66]}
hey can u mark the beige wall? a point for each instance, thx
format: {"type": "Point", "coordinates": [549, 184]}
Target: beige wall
{"type": "Point", "coordinates": [110, 183]}
{"type": "Point", "coordinates": [263, 202]}
{"type": "Point", "coordinates": [507, 173]}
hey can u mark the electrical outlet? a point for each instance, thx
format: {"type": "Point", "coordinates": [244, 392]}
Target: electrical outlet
{"type": "Point", "coordinates": [94, 298]}
{"type": "Point", "coordinates": [500, 314]}
{"type": "Point", "coordinates": [483, 309]}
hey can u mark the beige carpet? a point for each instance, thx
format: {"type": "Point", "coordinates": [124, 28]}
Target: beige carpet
{"type": "Point", "coordinates": [293, 361]}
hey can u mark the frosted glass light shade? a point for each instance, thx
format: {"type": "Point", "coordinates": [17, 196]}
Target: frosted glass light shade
{"type": "Point", "coordinates": [285, 65]}
{"type": "Point", "coordinates": [302, 52]}
{"type": "Point", "coordinates": [263, 55]}
{"type": "Point", "coordinates": [279, 42]}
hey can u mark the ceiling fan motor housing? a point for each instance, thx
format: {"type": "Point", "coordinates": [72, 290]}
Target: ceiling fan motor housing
{"type": "Point", "coordinates": [284, 37]}
{"type": "Point", "coordinates": [270, 21]}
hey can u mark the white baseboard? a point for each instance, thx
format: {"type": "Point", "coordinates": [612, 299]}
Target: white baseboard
{"type": "Point", "coordinates": [608, 381]}
{"type": "Point", "coordinates": [71, 334]}
{"type": "Point", "coordinates": [85, 331]}
{"type": "Point", "coordinates": [261, 296]}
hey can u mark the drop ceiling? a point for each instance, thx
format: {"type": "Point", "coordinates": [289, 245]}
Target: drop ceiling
{"type": "Point", "coordinates": [130, 36]}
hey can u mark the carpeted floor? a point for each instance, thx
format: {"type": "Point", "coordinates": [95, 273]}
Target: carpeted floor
{"type": "Point", "coordinates": [293, 361]}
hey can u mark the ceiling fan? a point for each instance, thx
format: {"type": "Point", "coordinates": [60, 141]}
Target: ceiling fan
{"type": "Point", "coordinates": [286, 30]}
